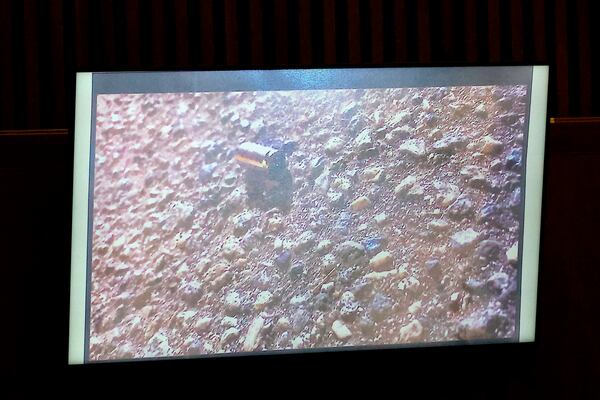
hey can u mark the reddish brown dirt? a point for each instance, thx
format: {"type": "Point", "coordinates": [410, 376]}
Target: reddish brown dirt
{"type": "Point", "coordinates": [176, 270]}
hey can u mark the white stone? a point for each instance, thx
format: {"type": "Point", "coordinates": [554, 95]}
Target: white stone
{"type": "Point", "coordinates": [263, 300]}
{"type": "Point", "coordinates": [252, 339]}
{"type": "Point", "coordinates": [340, 330]}
{"type": "Point", "coordinates": [360, 203]}
{"type": "Point", "coordinates": [411, 332]}
{"type": "Point", "coordinates": [404, 185]}
{"type": "Point", "coordinates": [229, 322]}
{"type": "Point", "coordinates": [414, 307]}
{"type": "Point", "coordinates": [381, 261]}
{"type": "Point", "coordinates": [203, 324]}
{"type": "Point", "coordinates": [465, 238]}
{"type": "Point", "coordinates": [381, 218]}
{"type": "Point", "coordinates": [363, 140]}
{"type": "Point", "coordinates": [334, 145]}
{"type": "Point", "coordinates": [229, 335]}
{"type": "Point", "coordinates": [413, 147]}
{"type": "Point", "coordinates": [324, 246]}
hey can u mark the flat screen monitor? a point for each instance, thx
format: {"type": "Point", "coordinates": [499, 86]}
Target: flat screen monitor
{"type": "Point", "coordinates": [268, 211]}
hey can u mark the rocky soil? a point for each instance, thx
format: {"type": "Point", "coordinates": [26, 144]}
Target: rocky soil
{"type": "Point", "coordinates": [404, 224]}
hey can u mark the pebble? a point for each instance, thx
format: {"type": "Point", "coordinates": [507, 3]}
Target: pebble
{"type": "Point", "coordinates": [366, 325]}
{"type": "Point", "coordinates": [512, 254]}
{"type": "Point", "coordinates": [233, 303]}
{"type": "Point", "coordinates": [433, 266]}
{"type": "Point", "coordinates": [349, 109]}
{"type": "Point", "coordinates": [322, 181]}
{"type": "Point", "coordinates": [191, 292]}
{"type": "Point", "coordinates": [416, 99]}
{"type": "Point", "coordinates": [274, 224]}
{"type": "Point", "coordinates": [491, 146]}
{"type": "Point", "coordinates": [299, 320]}
{"type": "Point", "coordinates": [263, 300]}
{"type": "Point", "coordinates": [415, 307]}
{"type": "Point", "coordinates": [252, 238]}
{"type": "Point", "coordinates": [349, 250]}
{"type": "Point", "coordinates": [397, 134]}
{"type": "Point", "coordinates": [399, 273]}
{"type": "Point", "coordinates": [380, 307]}
{"type": "Point", "coordinates": [284, 259]}
{"type": "Point", "coordinates": [328, 262]}
{"type": "Point", "coordinates": [342, 184]}
{"type": "Point", "coordinates": [480, 111]}
{"type": "Point", "coordinates": [242, 222]}
{"type": "Point", "coordinates": [498, 282]}
{"type": "Point", "coordinates": [340, 330]}
{"type": "Point", "coordinates": [464, 239]}
{"type": "Point", "coordinates": [487, 250]}
{"type": "Point", "coordinates": [203, 324]}
{"type": "Point", "coordinates": [229, 321]}
{"type": "Point", "coordinates": [317, 166]}
{"type": "Point", "coordinates": [505, 103]}
{"type": "Point", "coordinates": [412, 147]}
{"type": "Point", "coordinates": [360, 203]}
{"type": "Point", "coordinates": [299, 299]}
{"type": "Point", "coordinates": [282, 324]}
{"type": "Point", "coordinates": [514, 201]}
{"type": "Point", "coordinates": [381, 218]}
{"type": "Point", "coordinates": [324, 246]}
{"type": "Point", "coordinates": [401, 117]}
{"type": "Point", "coordinates": [363, 140]}
{"type": "Point", "coordinates": [348, 306]}
{"type": "Point", "coordinates": [372, 174]}
{"type": "Point", "coordinates": [449, 144]}
{"type": "Point", "coordinates": [513, 159]}
{"type": "Point", "coordinates": [218, 276]}
{"type": "Point", "coordinates": [297, 342]}
{"type": "Point", "coordinates": [381, 261]}
{"type": "Point", "coordinates": [411, 332]}
{"type": "Point", "coordinates": [474, 286]}
{"type": "Point", "coordinates": [230, 335]}
{"type": "Point", "coordinates": [296, 270]}
{"type": "Point", "coordinates": [438, 225]}
{"type": "Point", "coordinates": [305, 241]}
{"type": "Point", "coordinates": [328, 287]}
{"type": "Point", "coordinates": [322, 302]}
{"type": "Point", "coordinates": [472, 328]}
{"type": "Point", "coordinates": [454, 304]}
{"type": "Point", "coordinates": [404, 185]}
{"type": "Point", "coordinates": [336, 199]}
{"type": "Point", "coordinates": [410, 284]}
{"type": "Point", "coordinates": [334, 145]}
{"type": "Point", "coordinates": [373, 244]}
{"type": "Point", "coordinates": [461, 207]}
{"type": "Point", "coordinates": [232, 249]}
{"type": "Point", "coordinates": [252, 339]}
{"type": "Point", "coordinates": [416, 192]}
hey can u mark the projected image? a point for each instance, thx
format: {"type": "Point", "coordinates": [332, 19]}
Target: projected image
{"type": "Point", "coordinates": [263, 221]}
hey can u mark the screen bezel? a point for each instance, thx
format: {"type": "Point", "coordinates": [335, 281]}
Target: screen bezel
{"type": "Point", "coordinates": [90, 85]}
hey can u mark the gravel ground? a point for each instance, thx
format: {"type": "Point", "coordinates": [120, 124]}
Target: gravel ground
{"type": "Point", "coordinates": [403, 226]}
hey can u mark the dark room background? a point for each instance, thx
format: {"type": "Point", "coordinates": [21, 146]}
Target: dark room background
{"type": "Point", "coordinates": [44, 43]}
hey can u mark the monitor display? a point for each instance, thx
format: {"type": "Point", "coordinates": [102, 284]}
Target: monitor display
{"type": "Point", "coordinates": [244, 212]}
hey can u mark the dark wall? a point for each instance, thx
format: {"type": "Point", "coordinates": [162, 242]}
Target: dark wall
{"type": "Point", "coordinates": [45, 42]}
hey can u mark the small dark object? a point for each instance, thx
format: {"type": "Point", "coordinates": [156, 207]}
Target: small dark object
{"type": "Point", "coordinates": [269, 182]}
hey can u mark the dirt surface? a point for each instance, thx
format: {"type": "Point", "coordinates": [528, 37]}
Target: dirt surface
{"type": "Point", "coordinates": [403, 225]}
